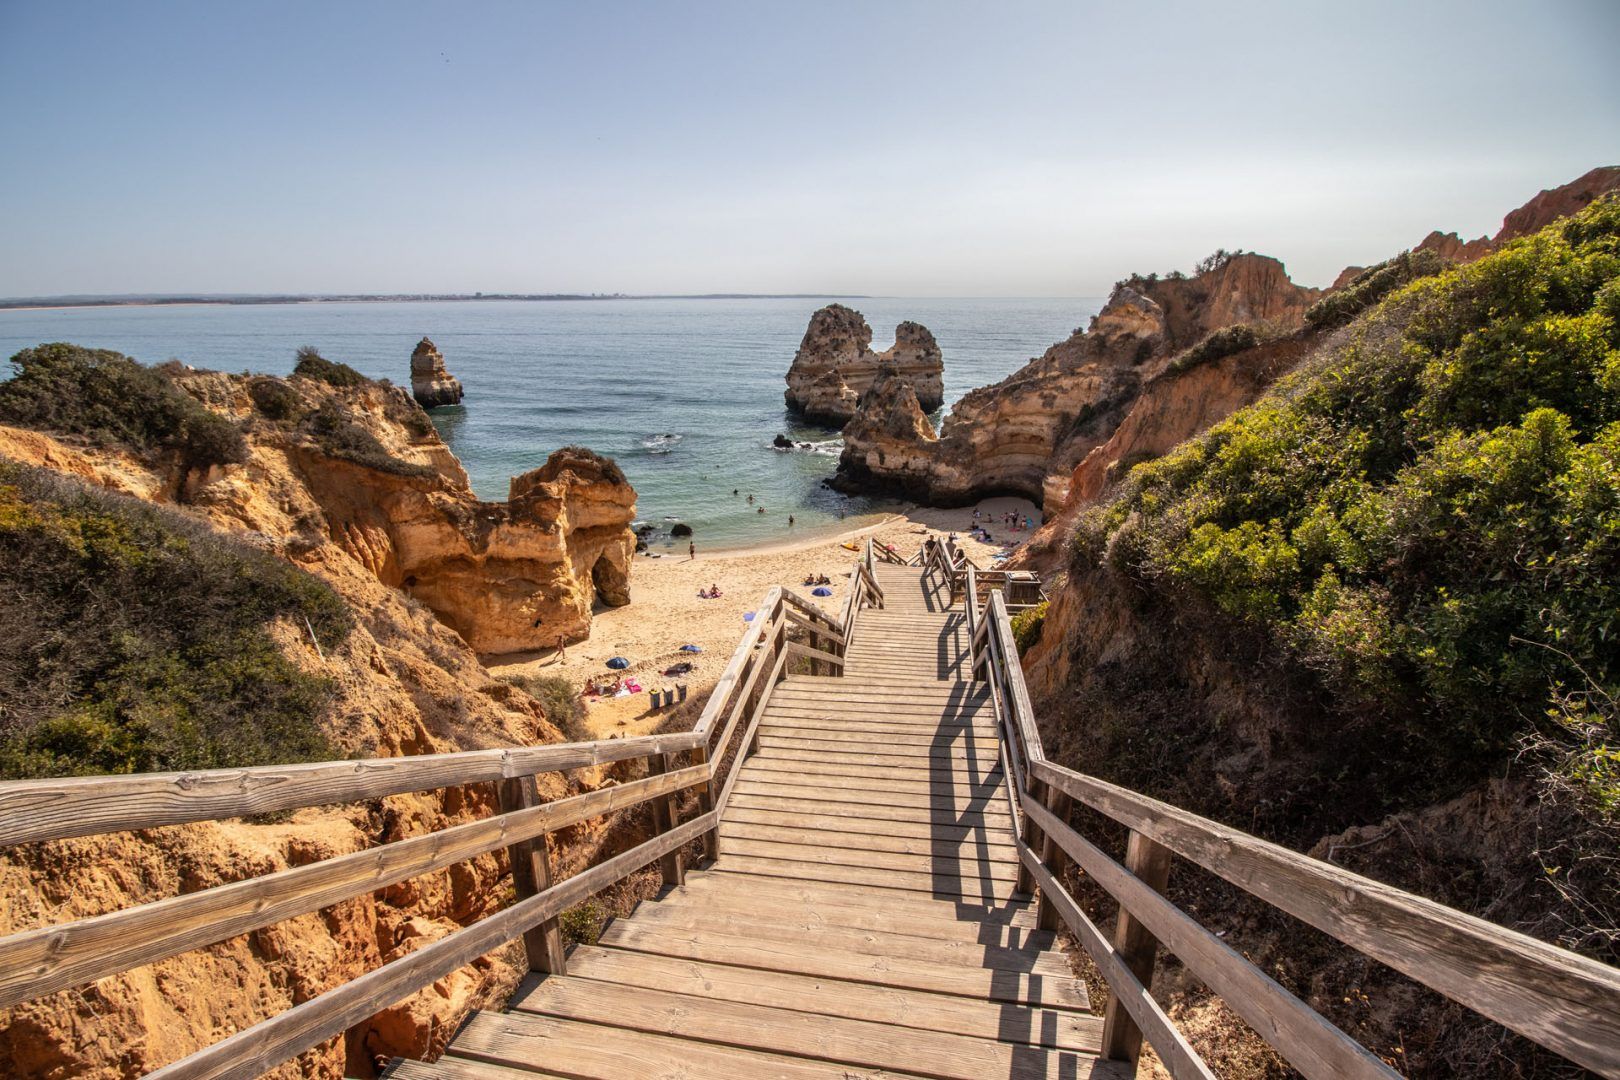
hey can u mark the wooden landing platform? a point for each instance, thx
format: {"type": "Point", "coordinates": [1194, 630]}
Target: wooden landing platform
{"type": "Point", "coordinates": [861, 919]}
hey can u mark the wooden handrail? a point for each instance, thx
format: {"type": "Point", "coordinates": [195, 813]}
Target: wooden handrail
{"type": "Point", "coordinates": [1566, 1002]}
{"type": "Point", "coordinates": [33, 810]}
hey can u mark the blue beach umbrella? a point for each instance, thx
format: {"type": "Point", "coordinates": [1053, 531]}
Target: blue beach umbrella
{"type": "Point", "coordinates": [749, 617]}
{"type": "Point", "coordinates": [618, 663]}
{"type": "Point", "coordinates": [822, 591]}
{"type": "Point", "coordinates": [691, 648]}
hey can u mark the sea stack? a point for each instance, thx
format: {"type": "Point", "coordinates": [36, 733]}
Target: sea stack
{"type": "Point", "coordinates": [431, 384]}
{"type": "Point", "coordinates": [835, 365]}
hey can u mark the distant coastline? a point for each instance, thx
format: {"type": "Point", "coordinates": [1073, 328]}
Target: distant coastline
{"type": "Point", "coordinates": [42, 303]}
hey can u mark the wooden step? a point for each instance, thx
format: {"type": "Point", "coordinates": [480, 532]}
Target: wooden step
{"type": "Point", "coordinates": [749, 1025]}
{"type": "Point", "coordinates": [1040, 959]}
{"type": "Point", "coordinates": [972, 887]}
{"type": "Point", "coordinates": [984, 755]}
{"type": "Point", "coordinates": [997, 832]}
{"type": "Point", "coordinates": [937, 865]}
{"type": "Point", "coordinates": [834, 997]}
{"type": "Point", "coordinates": [978, 720]}
{"type": "Point", "coordinates": [1053, 992]}
{"type": "Point", "coordinates": [828, 898]}
{"type": "Point", "coordinates": [866, 735]}
{"type": "Point", "coordinates": [772, 770]}
{"type": "Point", "coordinates": [966, 845]}
{"type": "Point", "coordinates": [771, 797]}
{"type": "Point", "coordinates": [596, 1052]}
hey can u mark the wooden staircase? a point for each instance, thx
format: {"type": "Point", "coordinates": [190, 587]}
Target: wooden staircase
{"type": "Point", "coordinates": [860, 920]}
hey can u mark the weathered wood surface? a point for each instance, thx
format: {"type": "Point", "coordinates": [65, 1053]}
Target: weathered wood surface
{"type": "Point", "coordinates": [268, 1043]}
{"type": "Point", "coordinates": [83, 806]}
{"type": "Point", "coordinates": [1566, 1002]}
{"type": "Point", "coordinates": [37, 962]}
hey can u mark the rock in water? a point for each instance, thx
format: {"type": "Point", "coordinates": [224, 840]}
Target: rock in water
{"type": "Point", "coordinates": [782, 442]}
{"type": "Point", "coordinates": [431, 384]}
{"type": "Point", "coordinates": [835, 365]}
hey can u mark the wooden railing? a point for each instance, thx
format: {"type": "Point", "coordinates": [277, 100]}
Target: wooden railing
{"type": "Point", "coordinates": [52, 958]}
{"type": "Point", "coordinates": [1564, 1001]}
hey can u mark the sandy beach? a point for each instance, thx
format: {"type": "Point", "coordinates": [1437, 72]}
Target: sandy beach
{"type": "Point", "coordinates": [665, 611]}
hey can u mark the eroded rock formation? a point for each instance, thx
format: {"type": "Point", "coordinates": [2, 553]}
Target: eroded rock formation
{"type": "Point", "coordinates": [1026, 434]}
{"type": "Point", "coordinates": [835, 365]}
{"type": "Point", "coordinates": [431, 383]}
{"type": "Point", "coordinates": [1535, 215]}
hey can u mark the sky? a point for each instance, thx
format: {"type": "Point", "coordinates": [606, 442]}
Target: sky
{"type": "Point", "coordinates": [905, 149]}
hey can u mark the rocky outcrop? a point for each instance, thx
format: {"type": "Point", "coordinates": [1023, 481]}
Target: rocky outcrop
{"type": "Point", "coordinates": [1026, 434]}
{"type": "Point", "coordinates": [1535, 215]}
{"type": "Point", "coordinates": [431, 384]}
{"type": "Point", "coordinates": [835, 365]}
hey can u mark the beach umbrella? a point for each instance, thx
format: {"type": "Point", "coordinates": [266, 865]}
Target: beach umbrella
{"type": "Point", "coordinates": [822, 591]}
{"type": "Point", "coordinates": [618, 663]}
{"type": "Point", "coordinates": [691, 648]}
{"type": "Point", "coordinates": [749, 617]}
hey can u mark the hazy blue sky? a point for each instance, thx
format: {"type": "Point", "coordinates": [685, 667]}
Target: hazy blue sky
{"type": "Point", "coordinates": [899, 148]}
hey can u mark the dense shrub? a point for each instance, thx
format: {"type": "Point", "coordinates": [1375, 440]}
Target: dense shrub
{"type": "Point", "coordinates": [312, 365]}
{"type": "Point", "coordinates": [1218, 345]}
{"type": "Point", "coordinates": [274, 399]}
{"type": "Point", "coordinates": [1370, 286]}
{"type": "Point", "coordinates": [1026, 627]}
{"type": "Point", "coordinates": [133, 638]}
{"type": "Point", "coordinates": [341, 437]}
{"type": "Point", "coordinates": [1427, 499]}
{"type": "Point", "coordinates": [560, 700]}
{"type": "Point", "coordinates": [111, 400]}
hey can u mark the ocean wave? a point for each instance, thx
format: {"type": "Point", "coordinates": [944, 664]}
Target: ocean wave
{"type": "Point", "coordinates": [660, 444]}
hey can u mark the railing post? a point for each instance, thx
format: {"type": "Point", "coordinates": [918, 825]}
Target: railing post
{"type": "Point", "coordinates": [666, 815]}
{"type": "Point", "coordinates": [1149, 861]}
{"type": "Point", "coordinates": [705, 794]}
{"type": "Point", "coordinates": [531, 874]}
{"type": "Point", "coordinates": [1036, 840]}
{"type": "Point", "coordinates": [1052, 855]}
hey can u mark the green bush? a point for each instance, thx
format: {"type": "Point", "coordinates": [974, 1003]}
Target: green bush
{"type": "Point", "coordinates": [134, 638]}
{"type": "Point", "coordinates": [1371, 286]}
{"type": "Point", "coordinates": [582, 925]}
{"type": "Point", "coordinates": [340, 437]}
{"type": "Point", "coordinates": [1427, 495]}
{"type": "Point", "coordinates": [312, 365]}
{"type": "Point", "coordinates": [274, 399]}
{"type": "Point", "coordinates": [111, 400]}
{"type": "Point", "coordinates": [1217, 345]}
{"type": "Point", "coordinates": [559, 699]}
{"type": "Point", "coordinates": [1026, 627]}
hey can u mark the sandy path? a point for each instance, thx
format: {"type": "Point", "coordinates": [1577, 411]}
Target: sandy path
{"type": "Point", "coordinates": [665, 612]}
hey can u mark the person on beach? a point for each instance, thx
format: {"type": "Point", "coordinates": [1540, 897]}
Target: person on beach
{"type": "Point", "coordinates": [736, 491]}
{"type": "Point", "coordinates": [761, 510]}
{"type": "Point", "coordinates": [790, 521]}
{"type": "Point", "coordinates": [691, 550]}
{"type": "Point", "coordinates": [750, 500]}
{"type": "Point", "coordinates": [562, 647]}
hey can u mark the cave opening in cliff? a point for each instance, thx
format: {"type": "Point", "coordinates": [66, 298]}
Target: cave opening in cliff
{"type": "Point", "coordinates": [611, 582]}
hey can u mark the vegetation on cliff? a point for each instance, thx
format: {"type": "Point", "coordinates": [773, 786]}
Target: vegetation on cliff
{"type": "Point", "coordinates": [134, 638]}
{"type": "Point", "coordinates": [1428, 517]}
{"type": "Point", "coordinates": [110, 400]}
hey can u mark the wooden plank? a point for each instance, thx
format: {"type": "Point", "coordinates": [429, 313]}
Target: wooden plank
{"type": "Point", "coordinates": [33, 810]}
{"type": "Point", "coordinates": [958, 802]}
{"type": "Point", "coordinates": [972, 887]}
{"type": "Point", "coordinates": [268, 1043]}
{"type": "Point", "coordinates": [859, 1043]}
{"type": "Point", "coordinates": [1135, 944]}
{"type": "Point", "coordinates": [666, 816]}
{"type": "Point", "coordinates": [454, 1068]}
{"type": "Point", "coordinates": [1176, 1054]}
{"type": "Point", "coordinates": [50, 958]}
{"type": "Point", "coordinates": [910, 782]}
{"type": "Point", "coordinates": [902, 754]}
{"type": "Point", "coordinates": [861, 826]}
{"type": "Point", "coordinates": [814, 765]}
{"type": "Point", "coordinates": [939, 738]}
{"type": "Point", "coordinates": [693, 919]}
{"type": "Point", "coordinates": [836, 998]}
{"type": "Point", "coordinates": [720, 696]}
{"type": "Point", "coordinates": [975, 714]}
{"type": "Point", "coordinates": [991, 815]}
{"type": "Point", "coordinates": [1306, 1040]}
{"type": "Point", "coordinates": [531, 874]}
{"type": "Point", "coordinates": [834, 903]}
{"type": "Point", "coordinates": [969, 866]}
{"type": "Point", "coordinates": [982, 724]}
{"type": "Point", "coordinates": [967, 845]}
{"type": "Point", "coordinates": [1566, 1002]}
{"type": "Point", "coordinates": [1059, 992]}
{"type": "Point", "coordinates": [750, 735]}
{"type": "Point", "coordinates": [592, 1052]}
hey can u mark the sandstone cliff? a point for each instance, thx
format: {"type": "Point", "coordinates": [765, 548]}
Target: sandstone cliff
{"type": "Point", "coordinates": [507, 576]}
{"type": "Point", "coordinates": [1535, 215]}
{"type": "Point", "coordinates": [431, 383]}
{"type": "Point", "coordinates": [835, 365]}
{"type": "Point", "coordinates": [350, 484]}
{"type": "Point", "coordinates": [1027, 433]}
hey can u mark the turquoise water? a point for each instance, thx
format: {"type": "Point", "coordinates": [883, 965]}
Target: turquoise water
{"type": "Point", "coordinates": [685, 394]}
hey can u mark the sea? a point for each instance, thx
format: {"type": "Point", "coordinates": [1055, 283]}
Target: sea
{"type": "Point", "coordinates": [685, 394]}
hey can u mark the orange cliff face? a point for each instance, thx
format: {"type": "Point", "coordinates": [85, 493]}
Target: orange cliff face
{"type": "Point", "coordinates": [396, 523]}
{"type": "Point", "coordinates": [1026, 434]}
{"type": "Point", "coordinates": [835, 365]}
